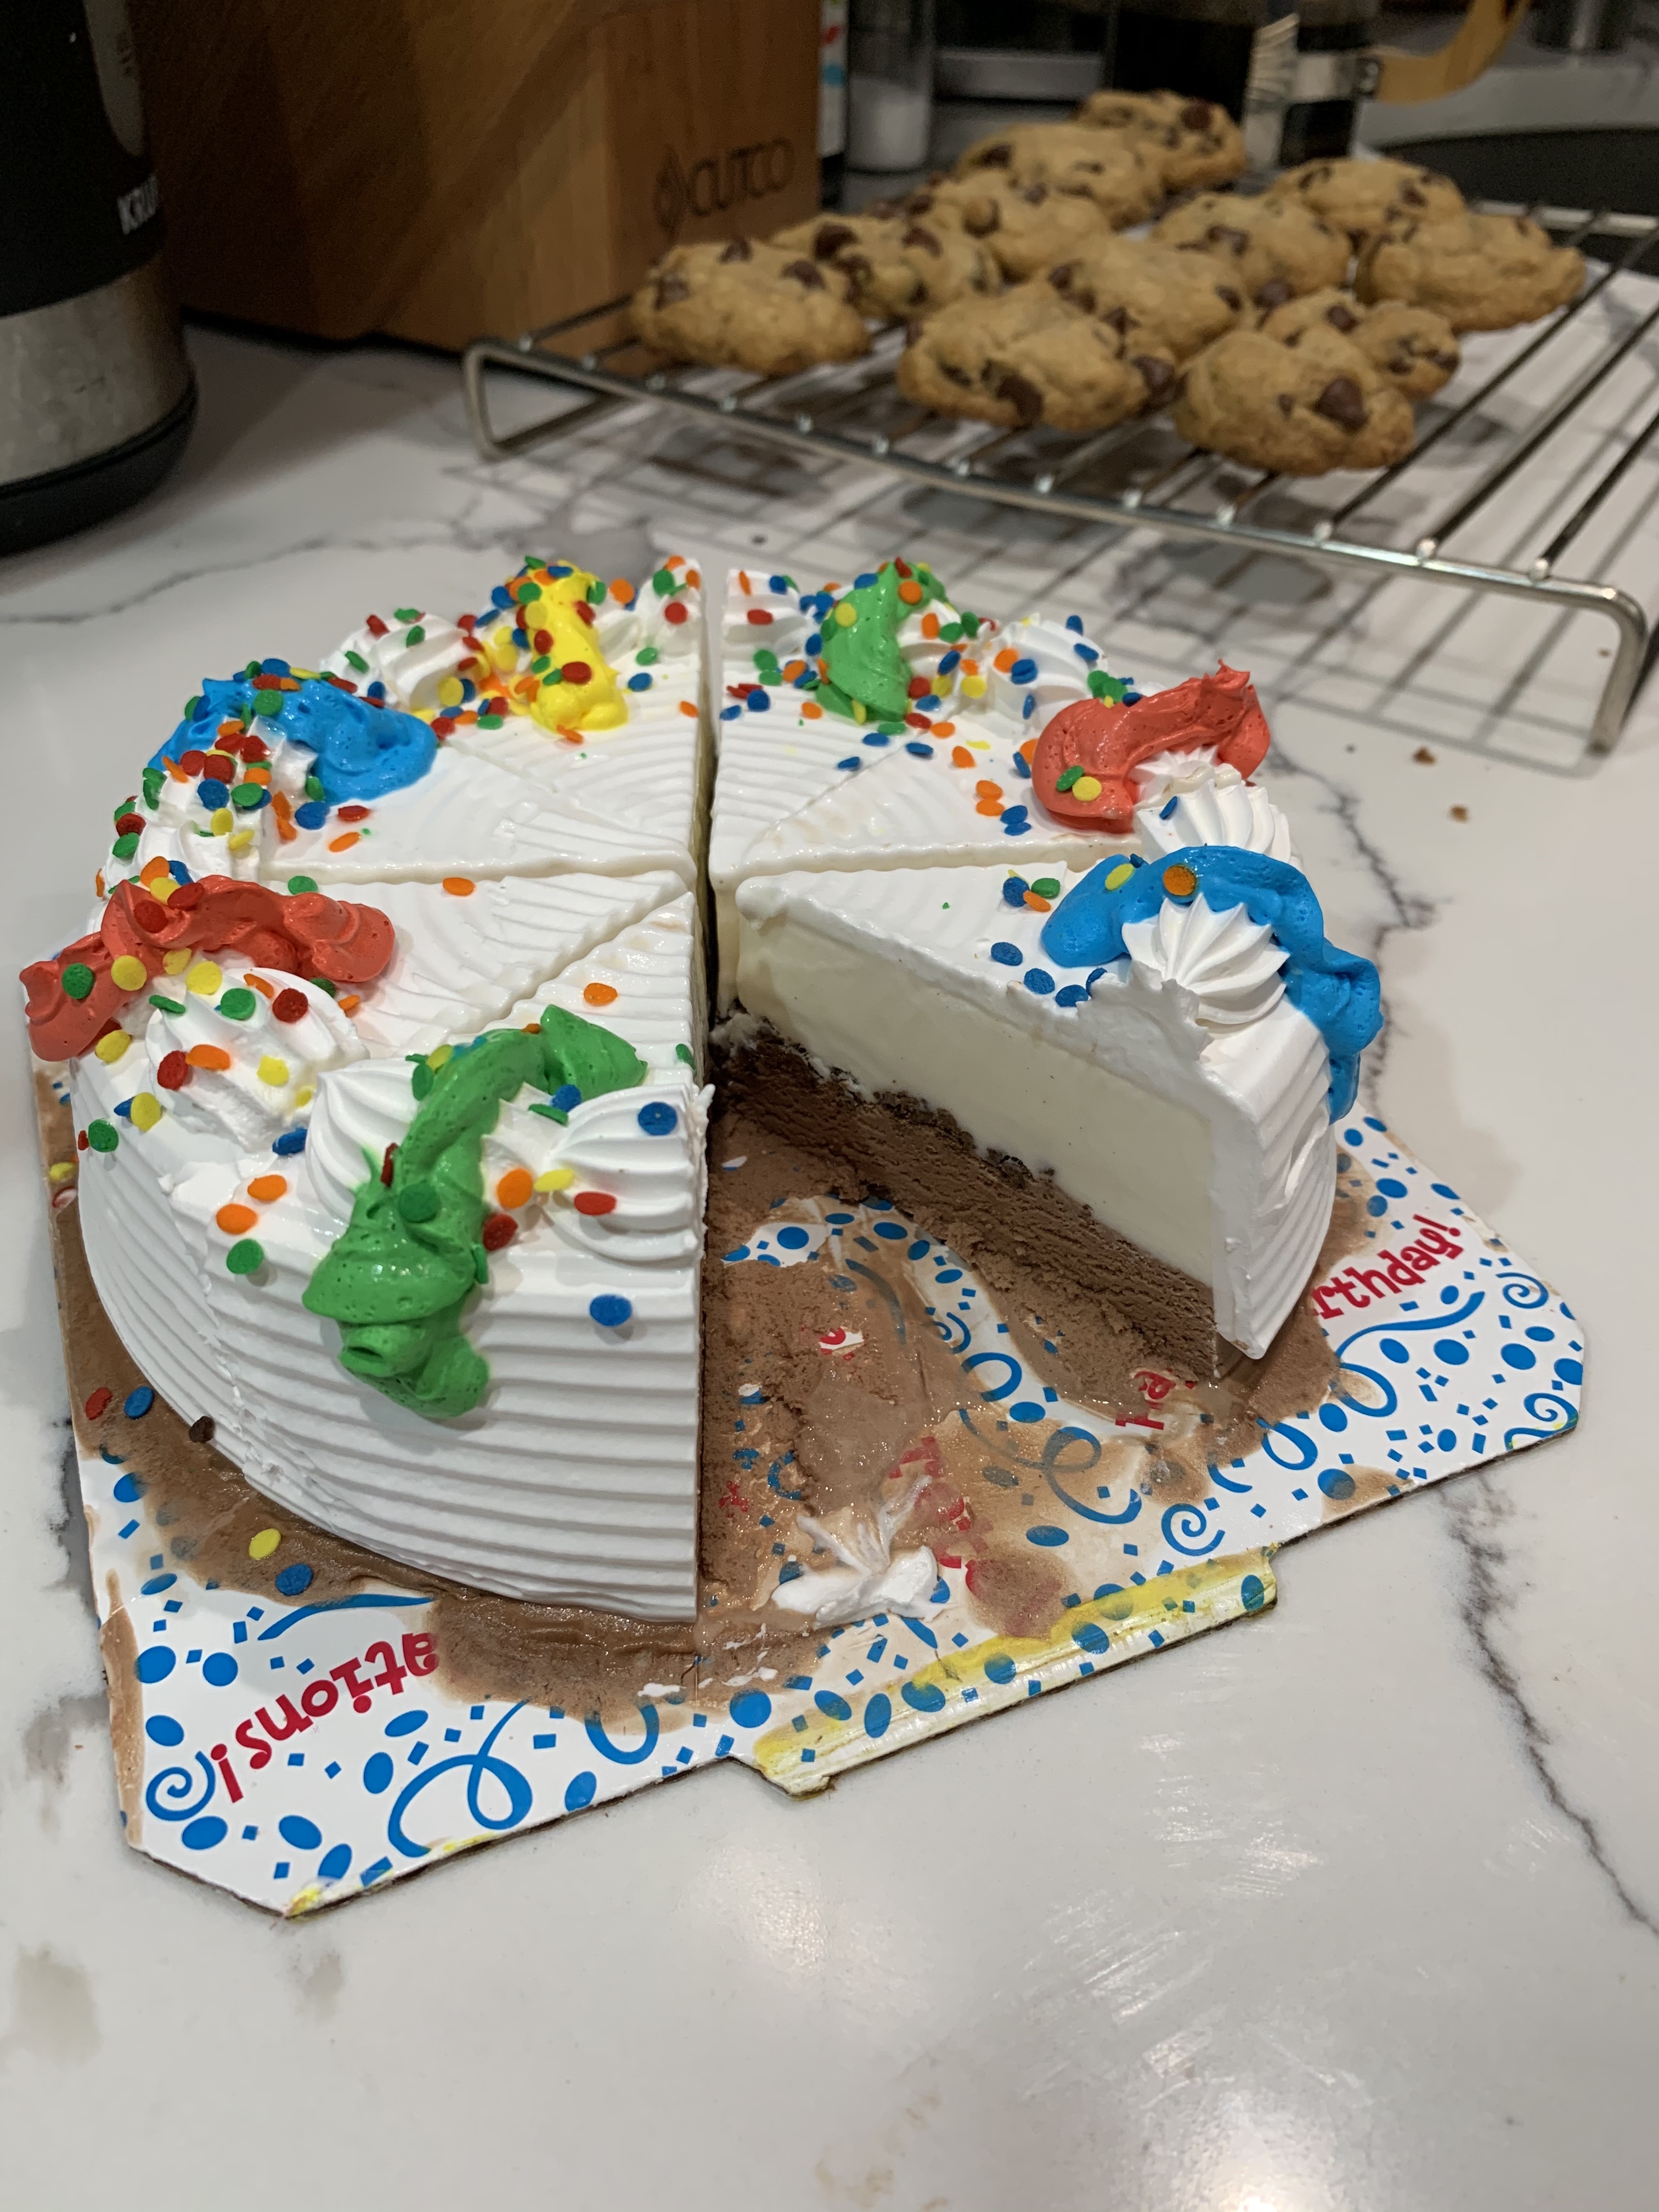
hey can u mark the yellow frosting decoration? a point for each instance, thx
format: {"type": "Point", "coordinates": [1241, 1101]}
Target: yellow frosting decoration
{"type": "Point", "coordinates": [552, 611]}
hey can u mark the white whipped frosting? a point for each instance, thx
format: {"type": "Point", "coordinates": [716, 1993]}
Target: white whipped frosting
{"type": "Point", "coordinates": [621, 630]}
{"type": "Point", "coordinates": [356, 1115]}
{"type": "Point", "coordinates": [868, 1576]}
{"type": "Point", "coordinates": [411, 658]}
{"type": "Point", "coordinates": [1187, 801]}
{"type": "Point", "coordinates": [1230, 965]}
{"type": "Point", "coordinates": [243, 844]}
{"type": "Point", "coordinates": [1063, 670]}
{"type": "Point", "coordinates": [274, 1065]}
{"type": "Point", "coordinates": [1155, 773]}
{"type": "Point", "coordinates": [200, 850]}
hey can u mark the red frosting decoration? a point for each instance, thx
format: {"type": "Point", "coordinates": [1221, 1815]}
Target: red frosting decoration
{"type": "Point", "coordinates": [308, 935]}
{"type": "Point", "coordinates": [1106, 741]}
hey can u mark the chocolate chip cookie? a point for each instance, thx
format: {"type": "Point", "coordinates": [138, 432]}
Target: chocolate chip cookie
{"type": "Point", "coordinates": [1109, 169]}
{"type": "Point", "coordinates": [1318, 404]}
{"type": "Point", "coordinates": [745, 305]}
{"type": "Point", "coordinates": [1482, 272]}
{"type": "Point", "coordinates": [1028, 228]}
{"type": "Point", "coordinates": [1363, 198]}
{"type": "Point", "coordinates": [1414, 348]}
{"type": "Point", "coordinates": [1193, 142]}
{"type": "Point", "coordinates": [1176, 301]}
{"type": "Point", "coordinates": [1029, 357]}
{"type": "Point", "coordinates": [900, 267]}
{"type": "Point", "coordinates": [1276, 249]}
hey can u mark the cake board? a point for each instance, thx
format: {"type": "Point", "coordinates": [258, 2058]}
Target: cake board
{"type": "Point", "coordinates": [299, 1723]}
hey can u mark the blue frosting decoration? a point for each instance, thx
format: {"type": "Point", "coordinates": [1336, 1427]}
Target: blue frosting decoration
{"type": "Point", "coordinates": [362, 751]}
{"type": "Point", "coordinates": [1337, 991]}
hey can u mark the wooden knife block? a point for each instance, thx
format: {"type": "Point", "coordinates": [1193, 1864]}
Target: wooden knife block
{"type": "Point", "coordinates": [441, 169]}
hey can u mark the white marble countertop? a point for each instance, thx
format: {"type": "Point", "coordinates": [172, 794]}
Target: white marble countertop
{"type": "Point", "coordinates": [1354, 1905]}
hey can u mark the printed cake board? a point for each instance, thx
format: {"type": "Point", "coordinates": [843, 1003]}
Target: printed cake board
{"type": "Point", "coordinates": [299, 1745]}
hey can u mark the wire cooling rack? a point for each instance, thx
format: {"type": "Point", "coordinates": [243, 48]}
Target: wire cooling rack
{"type": "Point", "coordinates": [1533, 414]}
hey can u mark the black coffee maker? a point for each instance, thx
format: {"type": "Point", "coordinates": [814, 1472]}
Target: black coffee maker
{"type": "Point", "coordinates": [96, 396]}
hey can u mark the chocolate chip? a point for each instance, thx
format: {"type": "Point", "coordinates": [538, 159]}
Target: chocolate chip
{"type": "Point", "coordinates": [1000, 157]}
{"type": "Point", "coordinates": [672, 287]}
{"type": "Point", "coordinates": [201, 1431]}
{"type": "Point", "coordinates": [805, 272]}
{"type": "Point", "coordinates": [1411, 196]}
{"type": "Point", "coordinates": [918, 203]}
{"type": "Point", "coordinates": [1342, 402]}
{"type": "Point", "coordinates": [1340, 317]}
{"type": "Point", "coordinates": [1033, 195]}
{"type": "Point", "coordinates": [1196, 115]}
{"type": "Point", "coordinates": [739, 249]}
{"type": "Point", "coordinates": [1021, 394]}
{"type": "Point", "coordinates": [1219, 233]}
{"type": "Point", "coordinates": [1286, 402]}
{"type": "Point", "coordinates": [857, 267]}
{"type": "Point", "coordinates": [919, 234]}
{"type": "Point", "coordinates": [1400, 365]}
{"type": "Point", "coordinates": [1274, 293]}
{"type": "Point", "coordinates": [957, 375]}
{"type": "Point", "coordinates": [1227, 294]}
{"type": "Point", "coordinates": [1061, 278]}
{"type": "Point", "coordinates": [830, 237]}
{"type": "Point", "coordinates": [1446, 361]}
{"type": "Point", "coordinates": [1180, 391]}
{"type": "Point", "coordinates": [1157, 375]}
{"type": "Point", "coordinates": [1119, 318]}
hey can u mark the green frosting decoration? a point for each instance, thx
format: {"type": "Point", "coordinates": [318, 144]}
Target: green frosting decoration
{"type": "Point", "coordinates": [399, 1275]}
{"type": "Point", "coordinates": [866, 677]}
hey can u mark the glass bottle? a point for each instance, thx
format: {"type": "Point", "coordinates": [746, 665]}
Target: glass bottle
{"type": "Point", "coordinates": [1334, 72]}
{"type": "Point", "coordinates": [890, 68]}
{"type": "Point", "coordinates": [832, 100]}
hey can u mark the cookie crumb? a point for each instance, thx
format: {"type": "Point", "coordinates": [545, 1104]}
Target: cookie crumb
{"type": "Point", "coordinates": [1424, 755]}
{"type": "Point", "coordinates": [1459, 814]}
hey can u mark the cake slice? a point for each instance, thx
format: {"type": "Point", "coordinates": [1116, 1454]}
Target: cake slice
{"type": "Point", "coordinates": [563, 729]}
{"type": "Point", "coordinates": [879, 726]}
{"type": "Point", "coordinates": [1121, 1078]}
